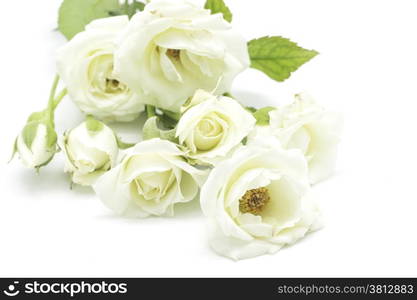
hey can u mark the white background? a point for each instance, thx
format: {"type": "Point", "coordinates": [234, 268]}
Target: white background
{"type": "Point", "coordinates": [367, 69]}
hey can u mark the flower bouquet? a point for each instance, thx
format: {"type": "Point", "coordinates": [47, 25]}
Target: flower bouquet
{"type": "Point", "coordinates": [174, 61]}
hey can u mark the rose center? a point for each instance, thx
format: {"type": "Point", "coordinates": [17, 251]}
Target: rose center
{"type": "Point", "coordinates": [174, 53]}
{"type": "Point", "coordinates": [253, 201]}
{"type": "Point", "coordinates": [209, 127]}
{"type": "Point", "coordinates": [153, 186]}
{"type": "Point", "coordinates": [113, 86]}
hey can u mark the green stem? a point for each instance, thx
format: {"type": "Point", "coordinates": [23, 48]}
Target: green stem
{"type": "Point", "coordinates": [50, 109]}
{"type": "Point", "coordinates": [53, 92]}
{"type": "Point", "coordinates": [150, 111]}
{"type": "Point", "coordinates": [59, 98]}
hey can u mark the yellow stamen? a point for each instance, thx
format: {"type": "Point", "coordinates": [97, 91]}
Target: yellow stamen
{"type": "Point", "coordinates": [174, 53]}
{"type": "Point", "coordinates": [253, 201]}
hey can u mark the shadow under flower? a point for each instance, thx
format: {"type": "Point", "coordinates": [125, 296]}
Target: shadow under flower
{"type": "Point", "coordinates": [183, 211]}
{"type": "Point", "coordinates": [31, 182]}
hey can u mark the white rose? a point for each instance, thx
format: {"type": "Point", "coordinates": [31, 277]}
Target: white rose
{"type": "Point", "coordinates": [212, 126]}
{"type": "Point", "coordinates": [258, 201]}
{"type": "Point", "coordinates": [173, 48]}
{"type": "Point", "coordinates": [90, 150]}
{"type": "Point", "coordinates": [36, 144]}
{"type": "Point", "coordinates": [150, 180]}
{"type": "Point", "coordinates": [306, 126]}
{"type": "Point", "coordinates": [85, 64]}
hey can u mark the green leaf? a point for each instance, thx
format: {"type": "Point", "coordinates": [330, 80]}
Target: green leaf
{"type": "Point", "coordinates": [168, 119]}
{"type": "Point", "coordinates": [262, 115]}
{"type": "Point", "coordinates": [134, 7]}
{"type": "Point", "coordinates": [129, 9]}
{"type": "Point", "coordinates": [152, 129]}
{"type": "Point", "coordinates": [93, 125]}
{"type": "Point", "coordinates": [277, 57]}
{"type": "Point", "coordinates": [172, 115]}
{"type": "Point", "coordinates": [218, 6]}
{"type": "Point", "coordinates": [251, 109]}
{"type": "Point", "coordinates": [168, 122]}
{"type": "Point", "coordinates": [75, 14]}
